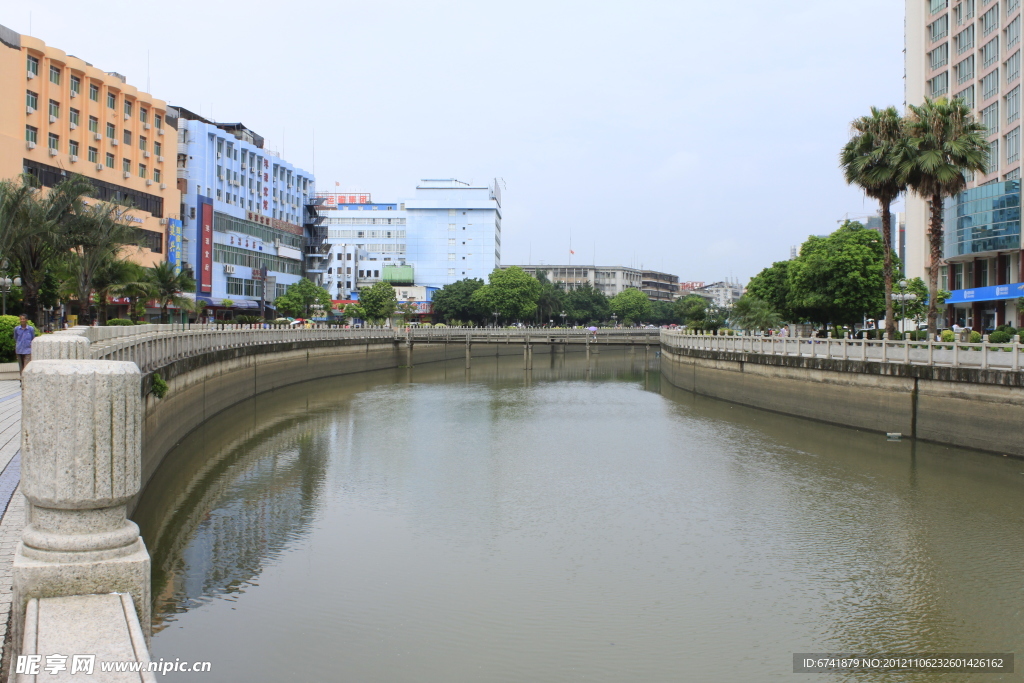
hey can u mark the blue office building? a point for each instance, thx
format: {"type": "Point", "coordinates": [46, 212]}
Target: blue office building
{"type": "Point", "coordinates": [983, 256]}
{"type": "Point", "coordinates": [248, 216]}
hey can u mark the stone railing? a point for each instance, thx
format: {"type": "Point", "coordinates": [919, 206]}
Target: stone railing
{"type": "Point", "coordinates": [980, 355]}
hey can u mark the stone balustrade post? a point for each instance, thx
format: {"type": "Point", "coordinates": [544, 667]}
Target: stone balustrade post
{"type": "Point", "coordinates": [60, 346]}
{"type": "Point", "coordinates": [81, 465]}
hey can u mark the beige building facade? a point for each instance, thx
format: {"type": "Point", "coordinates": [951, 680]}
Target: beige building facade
{"type": "Point", "coordinates": [971, 49]}
{"type": "Point", "coordinates": [60, 116]}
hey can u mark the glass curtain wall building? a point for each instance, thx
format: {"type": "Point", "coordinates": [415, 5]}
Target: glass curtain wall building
{"type": "Point", "coordinates": [971, 49]}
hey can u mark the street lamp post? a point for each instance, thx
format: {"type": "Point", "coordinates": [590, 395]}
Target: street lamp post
{"type": "Point", "coordinates": [615, 320]}
{"type": "Point", "coordinates": [5, 287]}
{"type": "Point", "coordinates": [903, 297]}
{"type": "Point", "coordinates": [495, 314]}
{"type": "Point", "coordinates": [562, 314]}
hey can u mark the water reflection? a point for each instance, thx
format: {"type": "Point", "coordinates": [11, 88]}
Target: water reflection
{"type": "Point", "coordinates": [580, 521]}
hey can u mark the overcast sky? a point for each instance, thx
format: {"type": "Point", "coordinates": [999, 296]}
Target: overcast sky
{"type": "Point", "coordinates": [698, 138]}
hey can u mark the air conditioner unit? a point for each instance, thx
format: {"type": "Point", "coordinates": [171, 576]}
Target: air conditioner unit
{"type": "Point", "coordinates": [31, 75]}
{"type": "Point", "coordinates": [159, 131]}
{"type": "Point", "coordinates": [163, 221]}
{"type": "Point", "coordinates": [53, 119]}
{"type": "Point", "coordinates": [74, 93]}
{"type": "Point", "coordinates": [146, 126]}
{"type": "Point", "coordinates": [244, 167]}
{"type": "Point", "coordinates": [114, 142]}
{"type": "Point", "coordinates": [277, 242]}
{"type": "Point", "coordinates": [219, 155]}
{"type": "Point", "coordinates": [149, 181]}
{"type": "Point", "coordinates": [97, 136]}
{"type": "Point", "coordinates": [53, 152]}
{"type": "Point", "coordinates": [73, 158]}
{"type": "Point", "coordinates": [30, 110]}
{"type": "Point", "coordinates": [229, 269]}
{"type": "Point", "coordinates": [99, 167]}
{"type": "Point", "coordinates": [160, 159]}
{"type": "Point", "coordinates": [30, 144]}
{"type": "Point", "coordinates": [127, 174]}
{"type": "Point", "coordinates": [145, 155]}
{"type": "Point", "coordinates": [163, 186]}
{"type": "Point", "coordinates": [74, 126]}
{"type": "Point", "coordinates": [127, 117]}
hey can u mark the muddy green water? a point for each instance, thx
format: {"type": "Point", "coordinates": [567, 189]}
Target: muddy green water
{"type": "Point", "coordinates": [570, 524]}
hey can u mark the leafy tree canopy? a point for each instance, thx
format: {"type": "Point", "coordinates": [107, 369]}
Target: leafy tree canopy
{"type": "Point", "coordinates": [378, 301]}
{"type": "Point", "coordinates": [631, 305]}
{"type": "Point", "coordinates": [512, 292]}
{"type": "Point", "coordinates": [301, 297]}
{"type": "Point", "coordinates": [455, 301]}
{"type": "Point", "coordinates": [585, 304]}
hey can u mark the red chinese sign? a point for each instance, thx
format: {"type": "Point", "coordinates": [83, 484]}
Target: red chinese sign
{"type": "Point", "coordinates": [206, 247]}
{"type": "Point", "coordinates": [336, 199]}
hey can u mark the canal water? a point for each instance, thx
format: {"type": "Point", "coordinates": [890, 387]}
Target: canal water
{"type": "Point", "coordinates": [581, 522]}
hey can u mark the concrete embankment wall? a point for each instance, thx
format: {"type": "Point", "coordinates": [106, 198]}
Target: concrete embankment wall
{"type": "Point", "coordinates": [968, 407]}
{"type": "Point", "coordinates": [201, 386]}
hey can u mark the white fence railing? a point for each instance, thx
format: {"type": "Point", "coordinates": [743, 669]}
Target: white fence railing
{"type": "Point", "coordinates": [981, 355]}
{"type": "Point", "coordinates": [152, 346]}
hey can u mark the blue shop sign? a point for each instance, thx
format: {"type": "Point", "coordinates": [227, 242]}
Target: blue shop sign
{"type": "Point", "coordinates": [995, 293]}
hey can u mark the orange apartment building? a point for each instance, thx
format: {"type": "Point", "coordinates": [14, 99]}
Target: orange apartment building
{"type": "Point", "coordinates": [60, 115]}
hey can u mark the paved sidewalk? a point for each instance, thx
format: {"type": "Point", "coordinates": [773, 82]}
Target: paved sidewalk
{"type": "Point", "coordinates": [11, 502]}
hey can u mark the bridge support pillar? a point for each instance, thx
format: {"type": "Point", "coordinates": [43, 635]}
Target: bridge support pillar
{"type": "Point", "coordinates": [81, 465]}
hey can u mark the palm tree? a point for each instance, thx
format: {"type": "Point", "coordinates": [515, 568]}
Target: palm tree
{"type": "Point", "coordinates": [871, 160]}
{"type": "Point", "coordinates": [111, 280]}
{"type": "Point", "coordinates": [168, 285]}
{"type": "Point", "coordinates": [40, 234]}
{"type": "Point", "coordinates": [944, 141]}
{"type": "Point", "coordinates": [100, 233]}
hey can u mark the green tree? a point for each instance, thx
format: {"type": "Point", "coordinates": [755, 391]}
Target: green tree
{"type": "Point", "coordinates": [662, 313]}
{"type": "Point", "coordinates": [455, 301]}
{"type": "Point", "coordinates": [100, 232]}
{"type": "Point", "coordinates": [772, 286]}
{"type": "Point", "coordinates": [167, 287]}
{"type": "Point", "coordinates": [378, 302]}
{"type": "Point", "coordinates": [512, 292]}
{"type": "Point", "coordinates": [691, 310]}
{"type": "Point", "coordinates": [37, 232]}
{"type": "Point", "coordinates": [108, 281]}
{"type": "Point", "coordinates": [631, 305]}
{"type": "Point", "coordinates": [751, 313]}
{"type": "Point", "coordinates": [838, 278]}
{"type": "Point", "coordinates": [871, 160]}
{"type": "Point", "coordinates": [353, 312]}
{"type": "Point", "coordinates": [585, 304]}
{"type": "Point", "coordinates": [550, 300]}
{"type": "Point", "coordinates": [302, 296]}
{"type": "Point", "coordinates": [944, 142]}
{"type": "Point", "coordinates": [918, 308]}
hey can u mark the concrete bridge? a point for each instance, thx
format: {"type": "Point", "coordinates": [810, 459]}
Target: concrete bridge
{"type": "Point", "coordinates": [92, 433]}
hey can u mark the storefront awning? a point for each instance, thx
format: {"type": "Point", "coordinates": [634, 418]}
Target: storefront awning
{"type": "Point", "coordinates": [994, 293]}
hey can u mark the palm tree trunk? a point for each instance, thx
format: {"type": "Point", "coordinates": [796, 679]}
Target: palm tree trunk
{"type": "Point", "coordinates": [935, 240]}
{"type": "Point", "coordinates": [890, 317]}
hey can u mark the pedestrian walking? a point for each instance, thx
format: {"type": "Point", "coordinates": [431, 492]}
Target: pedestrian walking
{"type": "Point", "coordinates": [23, 336]}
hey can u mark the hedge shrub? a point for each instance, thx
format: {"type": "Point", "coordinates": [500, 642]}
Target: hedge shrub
{"type": "Point", "coordinates": [1000, 337]}
{"type": "Point", "coordinates": [119, 321]}
{"type": "Point", "coordinates": [948, 336]}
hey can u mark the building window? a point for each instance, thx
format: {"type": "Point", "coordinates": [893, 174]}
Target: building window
{"type": "Point", "coordinates": [993, 157]}
{"type": "Point", "coordinates": [73, 147]}
{"type": "Point", "coordinates": [156, 175]}
{"type": "Point", "coordinates": [31, 99]}
{"type": "Point", "coordinates": [990, 52]}
{"type": "Point", "coordinates": [158, 149]}
{"type": "Point", "coordinates": [1013, 146]}
{"type": "Point", "coordinates": [94, 124]}
{"type": "Point", "coordinates": [54, 141]}
{"type": "Point", "coordinates": [55, 109]}
{"type": "Point", "coordinates": [451, 257]}
{"type": "Point", "coordinates": [94, 92]}
{"type": "Point", "coordinates": [940, 85]}
{"type": "Point", "coordinates": [31, 134]}
{"type": "Point", "coordinates": [111, 131]}
{"type": "Point", "coordinates": [1014, 174]}
{"type": "Point", "coordinates": [939, 56]}
{"type": "Point", "coordinates": [33, 65]}
{"type": "Point", "coordinates": [111, 100]}
{"type": "Point", "coordinates": [76, 85]}
{"type": "Point", "coordinates": [1013, 105]}
{"type": "Point", "coordinates": [939, 28]}
{"type": "Point", "coordinates": [158, 121]}
{"type": "Point", "coordinates": [1013, 33]}
{"type": "Point", "coordinates": [127, 108]}
{"type": "Point", "coordinates": [1012, 67]}
{"type": "Point", "coordinates": [142, 170]}
{"type": "Point", "coordinates": [55, 75]}
{"type": "Point", "coordinates": [990, 85]}
{"type": "Point", "coordinates": [74, 116]}
{"type": "Point", "coordinates": [94, 155]}
{"type": "Point", "coordinates": [127, 137]}
{"type": "Point", "coordinates": [990, 20]}
{"type": "Point", "coordinates": [965, 70]}
{"type": "Point", "coordinates": [110, 160]}
{"type": "Point", "coordinates": [142, 142]}
{"type": "Point", "coordinates": [1011, 5]}
{"type": "Point", "coordinates": [126, 165]}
